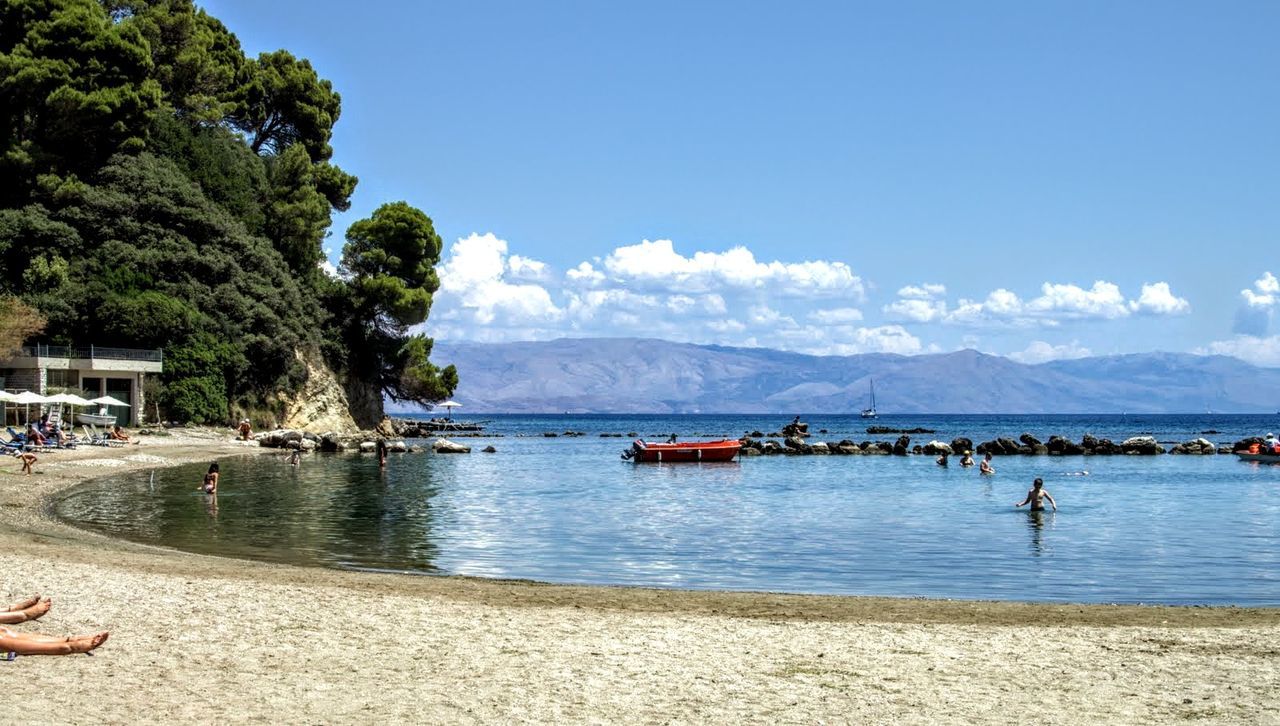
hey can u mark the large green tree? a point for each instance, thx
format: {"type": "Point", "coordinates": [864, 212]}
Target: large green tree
{"type": "Point", "coordinates": [389, 261]}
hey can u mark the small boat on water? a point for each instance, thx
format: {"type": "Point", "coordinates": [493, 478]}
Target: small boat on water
{"type": "Point", "coordinates": [1260, 456]}
{"type": "Point", "coordinates": [647, 451]}
{"type": "Point", "coordinates": [870, 411]}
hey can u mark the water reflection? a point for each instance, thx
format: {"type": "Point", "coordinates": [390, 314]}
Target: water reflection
{"type": "Point", "coordinates": [1036, 520]}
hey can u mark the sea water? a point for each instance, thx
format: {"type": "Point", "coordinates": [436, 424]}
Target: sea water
{"type": "Point", "coordinates": [1162, 529]}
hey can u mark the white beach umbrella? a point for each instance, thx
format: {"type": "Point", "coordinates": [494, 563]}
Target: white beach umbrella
{"type": "Point", "coordinates": [5, 398]}
{"type": "Point", "coordinates": [25, 399]}
{"type": "Point", "coordinates": [449, 405]}
{"type": "Point", "coordinates": [69, 399]}
{"type": "Point", "coordinates": [109, 401]}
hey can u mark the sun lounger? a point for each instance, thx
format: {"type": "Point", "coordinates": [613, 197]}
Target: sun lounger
{"type": "Point", "coordinates": [93, 438]}
{"type": "Point", "coordinates": [102, 438]}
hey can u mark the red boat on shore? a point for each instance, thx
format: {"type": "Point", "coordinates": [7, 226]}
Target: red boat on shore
{"type": "Point", "coordinates": [724, 450]}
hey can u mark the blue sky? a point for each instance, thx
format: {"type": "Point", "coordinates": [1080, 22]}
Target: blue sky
{"type": "Point", "coordinates": [1040, 180]}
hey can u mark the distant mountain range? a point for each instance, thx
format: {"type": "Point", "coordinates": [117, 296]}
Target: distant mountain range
{"type": "Point", "coordinates": [628, 375]}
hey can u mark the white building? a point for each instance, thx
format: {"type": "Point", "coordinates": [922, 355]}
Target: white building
{"type": "Point", "coordinates": [116, 372]}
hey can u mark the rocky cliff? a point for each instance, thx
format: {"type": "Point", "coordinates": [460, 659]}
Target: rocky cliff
{"type": "Point", "coordinates": [320, 406]}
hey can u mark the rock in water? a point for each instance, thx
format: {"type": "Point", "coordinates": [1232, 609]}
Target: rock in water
{"type": "Point", "coordinates": [1141, 446]}
{"type": "Point", "coordinates": [445, 446]}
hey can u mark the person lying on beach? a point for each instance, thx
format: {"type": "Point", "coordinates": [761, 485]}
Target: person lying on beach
{"type": "Point", "coordinates": [1036, 496]}
{"type": "Point", "coordinates": [985, 467]}
{"type": "Point", "coordinates": [25, 610]}
{"type": "Point", "coordinates": [967, 459]}
{"type": "Point", "coordinates": [28, 460]}
{"type": "Point", "coordinates": [210, 483]}
{"type": "Point", "coordinates": [11, 641]}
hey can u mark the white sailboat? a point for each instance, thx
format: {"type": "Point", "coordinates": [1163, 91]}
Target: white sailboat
{"type": "Point", "coordinates": [870, 412]}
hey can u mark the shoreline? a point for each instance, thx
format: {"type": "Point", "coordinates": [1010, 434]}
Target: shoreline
{"type": "Point", "coordinates": [151, 596]}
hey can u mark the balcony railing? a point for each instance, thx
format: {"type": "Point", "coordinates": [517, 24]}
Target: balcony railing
{"type": "Point", "coordinates": [91, 352]}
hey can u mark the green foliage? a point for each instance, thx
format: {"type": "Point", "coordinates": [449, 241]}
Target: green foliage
{"type": "Point", "coordinates": [197, 62]}
{"type": "Point", "coordinates": [420, 380]}
{"type": "Point", "coordinates": [228, 172]}
{"type": "Point", "coordinates": [283, 102]}
{"type": "Point", "coordinates": [297, 214]}
{"type": "Point", "coordinates": [391, 259]}
{"type": "Point", "coordinates": [45, 272]}
{"type": "Point", "coordinates": [74, 89]}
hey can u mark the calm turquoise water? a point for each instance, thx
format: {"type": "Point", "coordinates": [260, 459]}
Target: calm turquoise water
{"type": "Point", "coordinates": [1137, 529]}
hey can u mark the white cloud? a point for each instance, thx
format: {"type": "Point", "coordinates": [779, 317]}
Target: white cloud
{"type": "Point", "coordinates": [916, 310]}
{"type": "Point", "coordinates": [585, 272]}
{"type": "Point", "coordinates": [836, 316]}
{"type": "Point", "coordinates": [1258, 350]}
{"type": "Point", "coordinates": [1057, 302]}
{"type": "Point", "coordinates": [328, 268]}
{"type": "Point", "coordinates": [1158, 299]}
{"type": "Point", "coordinates": [927, 291]}
{"type": "Point", "coordinates": [887, 339]}
{"type": "Point", "coordinates": [474, 288]}
{"type": "Point", "coordinates": [1001, 307]}
{"type": "Point", "coordinates": [1103, 300]}
{"type": "Point", "coordinates": [1265, 292]}
{"type": "Point", "coordinates": [658, 264]}
{"type": "Point", "coordinates": [1040, 352]}
{"type": "Point", "coordinates": [763, 315]}
{"type": "Point", "coordinates": [524, 268]}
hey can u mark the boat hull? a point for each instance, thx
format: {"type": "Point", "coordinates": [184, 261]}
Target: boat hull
{"type": "Point", "coordinates": [95, 419]}
{"type": "Point", "coordinates": [693, 451]}
{"type": "Point", "coordinates": [1264, 458]}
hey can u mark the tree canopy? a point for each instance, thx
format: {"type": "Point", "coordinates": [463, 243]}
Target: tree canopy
{"type": "Point", "coordinates": [160, 189]}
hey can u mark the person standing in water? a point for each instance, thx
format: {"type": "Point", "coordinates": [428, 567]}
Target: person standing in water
{"type": "Point", "coordinates": [210, 484]}
{"type": "Point", "coordinates": [381, 447]}
{"type": "Point", "coordinates": [1036, 496]}
{"type": "Point", "coordinates": [985, 467]}
{"type": "Point", "coordinates": [967, 459]}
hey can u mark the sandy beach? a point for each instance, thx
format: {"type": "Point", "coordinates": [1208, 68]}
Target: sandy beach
{"type": "Point", "coordinates": [204, 639]}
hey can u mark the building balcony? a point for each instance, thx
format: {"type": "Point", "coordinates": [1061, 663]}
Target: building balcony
{"type": "Point", "coordinates": [97, 358]}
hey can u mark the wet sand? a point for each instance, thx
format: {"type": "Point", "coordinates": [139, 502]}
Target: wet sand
{"type": "Point", "coordinates": [205, 638]}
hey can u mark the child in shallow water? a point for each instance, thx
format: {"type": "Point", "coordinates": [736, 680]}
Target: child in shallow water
{"type": "Point", "coordinates": [1036, 496]}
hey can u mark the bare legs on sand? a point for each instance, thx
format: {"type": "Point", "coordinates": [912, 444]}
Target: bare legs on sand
{"type": "Point", "coordinates": [11, 641]}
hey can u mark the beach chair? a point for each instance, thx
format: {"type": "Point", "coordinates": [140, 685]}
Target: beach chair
{"type": "Point", "coordinates": [92, 438]}
{"type": "Point", "coordinates": [104, 437]}
{"type": "Point", "coordinates": [21, 441]}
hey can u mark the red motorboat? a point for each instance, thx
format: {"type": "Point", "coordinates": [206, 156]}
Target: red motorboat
{"type": "Point", "coordinates": [724, 450]}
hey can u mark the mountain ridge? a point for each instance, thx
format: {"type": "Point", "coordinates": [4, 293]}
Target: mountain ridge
{"type": "Point", "coordinates": [642, 375]}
